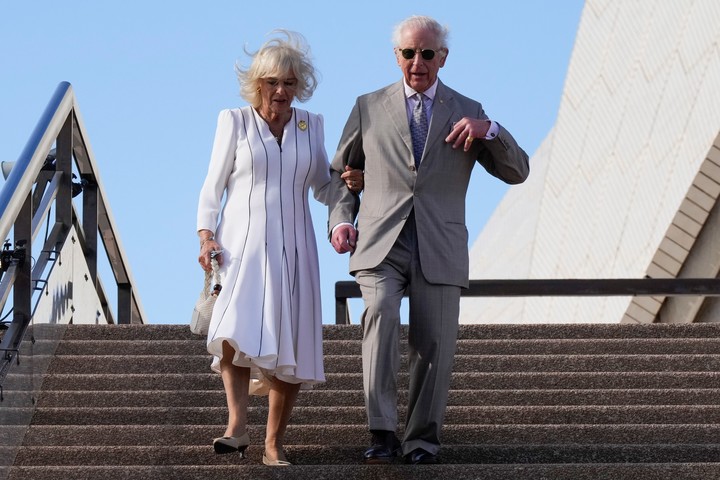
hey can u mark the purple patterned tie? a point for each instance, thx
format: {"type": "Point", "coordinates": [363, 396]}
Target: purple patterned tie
{"type": "Point", "coordinates": [418, 128]}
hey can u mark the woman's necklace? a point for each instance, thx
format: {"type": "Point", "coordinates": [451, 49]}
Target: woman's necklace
{"type": "Point", "coordinates": [279, 126]}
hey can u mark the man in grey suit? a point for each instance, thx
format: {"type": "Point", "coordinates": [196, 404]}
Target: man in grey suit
{"type": "Point", "coordinates": [417, 141]}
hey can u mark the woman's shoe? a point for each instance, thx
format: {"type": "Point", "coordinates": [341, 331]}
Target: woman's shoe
{"type": "Point", "coordinates": [275, 463]}
{"type": "Point", "coordinates": [232, 444]}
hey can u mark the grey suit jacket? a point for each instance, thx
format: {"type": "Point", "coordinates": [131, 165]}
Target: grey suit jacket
{"type": "Point", "coordinates": [376, 138]}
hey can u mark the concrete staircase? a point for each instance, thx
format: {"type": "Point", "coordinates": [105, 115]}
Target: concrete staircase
{"type": "Point", "coordinates": [527, 402]}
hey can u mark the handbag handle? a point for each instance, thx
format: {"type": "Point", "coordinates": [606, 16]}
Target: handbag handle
{"type": "Point", "coordinates": [211, 275]}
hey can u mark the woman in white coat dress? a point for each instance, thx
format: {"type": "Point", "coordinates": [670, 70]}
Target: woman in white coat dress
{"type": "Point", "coordinates": [266, 329]}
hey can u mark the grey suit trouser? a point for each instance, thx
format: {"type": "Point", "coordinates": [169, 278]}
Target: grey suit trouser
{"type": "Point", "coordinates": [433, 328]}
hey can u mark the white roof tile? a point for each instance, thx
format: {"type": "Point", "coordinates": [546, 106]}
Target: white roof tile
{"type": "Point", "coordinates": [639, 113]}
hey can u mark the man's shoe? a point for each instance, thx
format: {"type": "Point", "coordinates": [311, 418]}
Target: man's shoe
{"type": "Point", "coordinates": [385, 446]}
{"type": "Point", "coordinates": [420, 457]}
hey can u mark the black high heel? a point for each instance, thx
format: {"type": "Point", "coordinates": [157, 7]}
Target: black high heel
{"type": "Point", "coordinates": [232, 444]}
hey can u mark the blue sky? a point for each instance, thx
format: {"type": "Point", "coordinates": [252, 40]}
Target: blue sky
{"type": "Point", "coordinates": [150, 78]}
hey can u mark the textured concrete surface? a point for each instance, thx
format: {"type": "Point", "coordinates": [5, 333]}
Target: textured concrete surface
{"type": "Point", "coordinates": [539, 401]}
{"type": "Point", "coordinates": [395, 472]}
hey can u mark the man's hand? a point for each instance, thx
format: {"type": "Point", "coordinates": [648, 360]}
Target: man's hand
{"type": "Point", "coordinates": [343, 239]}
{"type": "Point", "coordinates": [466, 131]}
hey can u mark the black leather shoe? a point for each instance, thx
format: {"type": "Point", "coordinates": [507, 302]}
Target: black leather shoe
{"type": "Point", "coordinates": [385, 446]}
{"type": "Point", "coordinates": [420, 457]}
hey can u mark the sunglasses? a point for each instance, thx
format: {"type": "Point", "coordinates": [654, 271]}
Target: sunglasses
{"type": "Point", "coordinates": [409, 53]}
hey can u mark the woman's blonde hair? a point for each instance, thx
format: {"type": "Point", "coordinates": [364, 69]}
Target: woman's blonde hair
{"type": "Point", "coordinates": [277, 58]}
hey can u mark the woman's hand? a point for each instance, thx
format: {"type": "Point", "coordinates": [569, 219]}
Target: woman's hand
{"type": "Point", "coordinates": [354, 179]}
{"type": "Point", "coordinates": [207, 246]}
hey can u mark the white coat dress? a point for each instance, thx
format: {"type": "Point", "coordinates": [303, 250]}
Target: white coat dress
{"type": "Point", "coordinates": [255, 199]}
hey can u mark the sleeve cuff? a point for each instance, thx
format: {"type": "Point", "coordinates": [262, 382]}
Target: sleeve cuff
{"type": "Point", "coordinates": [492, 131]}
{"type": "Point", "coordinates": [336, 227]}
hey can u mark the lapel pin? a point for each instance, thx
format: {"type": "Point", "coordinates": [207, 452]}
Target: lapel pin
{"type": "Point", "coordinates": [302, 125]}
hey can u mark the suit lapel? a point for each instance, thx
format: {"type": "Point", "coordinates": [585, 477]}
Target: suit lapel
{"type": "Point", "coordinates": [441, 115]}
{"type": "Point", "coordinates": [394, 105]}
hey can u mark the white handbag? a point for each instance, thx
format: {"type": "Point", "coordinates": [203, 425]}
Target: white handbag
{"type": "Point", "coordinates": [202, 313]}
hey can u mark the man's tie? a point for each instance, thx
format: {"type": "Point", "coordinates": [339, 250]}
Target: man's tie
{"type": "Point", "coordinates": [418, 129]}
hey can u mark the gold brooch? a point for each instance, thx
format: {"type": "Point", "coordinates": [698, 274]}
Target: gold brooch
{"type": "Point", "coordinates": [302, 125]}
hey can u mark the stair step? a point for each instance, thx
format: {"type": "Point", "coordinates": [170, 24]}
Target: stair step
{"type": "Point", "coordinates": [149, 364]}
{"type": "Point", "coordinates": [358, 435]}
{"type": "Point", "coordinates": [476, 332]}
{"type": "Point", "coordinates": [191, 347]}
{"type": "Point", "coordinates": [595, 346]}
{"type": "Point", "coordinates": [645, 471]}
{"type": "Point", "coordinates": [198, 398]}
{"type": "Point", "coordinates": [588, 331]}
{"type": "Point", "coordinates": [348, 455]}
{"type": "Point", "coordinates": [351, 415]}
{"type": "Point", "coordinates": [353, 381]}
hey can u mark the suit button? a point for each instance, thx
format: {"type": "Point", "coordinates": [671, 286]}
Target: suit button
{"type": "Point", "coordinates": [412, 168]}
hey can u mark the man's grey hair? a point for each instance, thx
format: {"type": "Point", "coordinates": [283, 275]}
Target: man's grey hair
{"type": "Point", "coordinates": [424, 23]}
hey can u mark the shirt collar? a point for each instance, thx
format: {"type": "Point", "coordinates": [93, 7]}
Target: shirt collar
{"type": "Point", "coordinates": [430, 92]}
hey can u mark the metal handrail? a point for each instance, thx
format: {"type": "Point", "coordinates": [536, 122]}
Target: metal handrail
{"type": "Point", "coordinates": [22, 212]}
{"type": "Point", "coordinates": [28, 165]}
{"type": "Point", "coordinates": [624, 287]}
{"type": "Point", "coordinates": [62, 113]}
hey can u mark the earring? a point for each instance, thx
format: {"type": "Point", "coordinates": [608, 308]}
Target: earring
{"type": "Point", "coordinates": [258, 90]}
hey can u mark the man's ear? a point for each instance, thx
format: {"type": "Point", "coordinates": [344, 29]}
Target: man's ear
{"type": "Point", "coordinates": [444, 57]}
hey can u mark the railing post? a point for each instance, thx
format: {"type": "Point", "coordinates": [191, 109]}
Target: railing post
{"type": "Point", "coordinates": [90, 225]}
{"type": "Point", "coordinates": [63, 163]}
{"type": "Point", "coordinates": [22, 287]}
{"type": "Point", "coordinates": [343, 292]}
{"type": "Point", "coordinates": [124, 306]}
{"type": "Point", "coordinates": [342, 316]}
